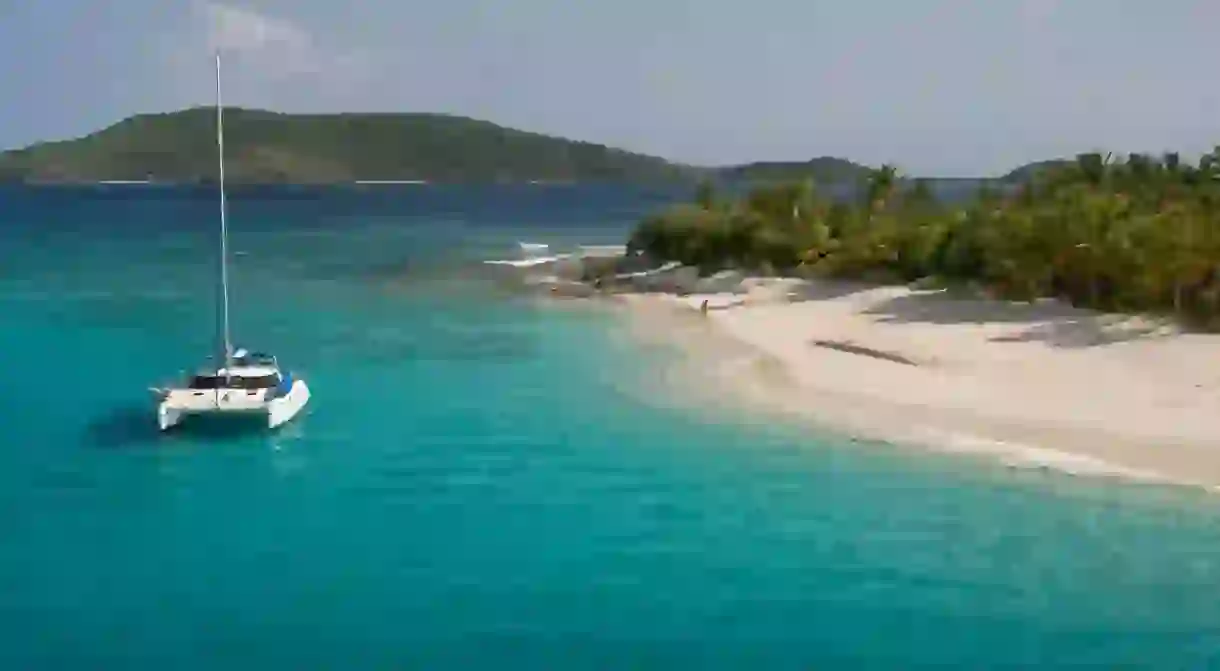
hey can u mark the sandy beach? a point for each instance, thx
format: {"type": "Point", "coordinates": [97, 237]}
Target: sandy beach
{"type": "Point", "coordinates": [1043, 385]}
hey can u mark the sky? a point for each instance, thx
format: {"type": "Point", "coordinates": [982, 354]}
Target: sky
{"type": "Point", "coordinates": [937, 87]}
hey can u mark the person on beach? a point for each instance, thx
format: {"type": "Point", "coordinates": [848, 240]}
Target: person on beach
{"type": "Point", "coordinates": [703, 307]}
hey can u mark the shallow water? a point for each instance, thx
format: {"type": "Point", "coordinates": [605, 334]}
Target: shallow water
{"type": "Point", "coordinates": [485, 480]}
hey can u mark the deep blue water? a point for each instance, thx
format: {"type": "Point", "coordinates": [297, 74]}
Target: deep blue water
{"type": "Point", "coordinates": [476, 484]}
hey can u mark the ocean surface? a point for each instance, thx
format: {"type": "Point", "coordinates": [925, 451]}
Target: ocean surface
{"type": "Point", "coordinates": [482, 480]}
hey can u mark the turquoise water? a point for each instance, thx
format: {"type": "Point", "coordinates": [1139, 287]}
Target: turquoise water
{"type": "Point", "coordinates": [478, 484]}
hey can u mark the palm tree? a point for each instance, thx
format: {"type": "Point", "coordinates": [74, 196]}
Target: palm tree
{"type": "Point", "coordinates": [880, 186]}
{"type": "Point", "coordinates": [1092, 167]}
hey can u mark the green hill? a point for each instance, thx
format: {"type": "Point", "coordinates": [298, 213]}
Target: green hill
{"type": "Point", "coordinates": [824, 169]}
{"type": "Point", "coordinates": [1029, 170]}
{"type": "Point", "coordinates": [269, 147]}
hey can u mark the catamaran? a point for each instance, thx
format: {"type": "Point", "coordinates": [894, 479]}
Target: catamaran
{"type": "Point", "coordinates": [244, 384]}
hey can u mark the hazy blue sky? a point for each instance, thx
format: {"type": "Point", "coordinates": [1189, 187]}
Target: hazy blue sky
{"type": "Point", "coordinates": [937, 86]}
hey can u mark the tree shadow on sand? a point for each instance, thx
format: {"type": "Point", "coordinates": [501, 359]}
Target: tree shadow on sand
{"type": "Point", "coordinates": [825, 290]}
{"type": "Point", "coordinates": [852, 348]}
{"type": "Point", "coordinates": [1049, 321]}
{"type": "Point", "coordinates": [941, 307]}
{"type": "Point", "coordinates": [1091, 331]}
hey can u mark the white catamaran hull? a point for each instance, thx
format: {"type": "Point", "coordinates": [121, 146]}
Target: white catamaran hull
{"type": "Point", "coordinates": [243, 385]}
{"type": "Point", "coordinates": [233, 404]}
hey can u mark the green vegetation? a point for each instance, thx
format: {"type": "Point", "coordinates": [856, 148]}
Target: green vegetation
{"type": "Point", "coordinates": [326, 148]}
{"type": "Point", "coordinates": [1142, 234]}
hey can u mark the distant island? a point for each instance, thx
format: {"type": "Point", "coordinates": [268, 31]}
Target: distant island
{"type": "Point", "coordinates": [276, 148]}
{"type": "Point", "coordinates": [823, 169]}
{"type": "Point", "coordinates": [269, 147]}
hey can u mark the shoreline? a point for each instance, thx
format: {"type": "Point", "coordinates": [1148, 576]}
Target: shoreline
{"type": "Point", "coordinates": [1037, 386]}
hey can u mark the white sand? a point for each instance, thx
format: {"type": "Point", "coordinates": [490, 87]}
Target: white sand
{"type": "Point", "coordinates": [1043, 385]}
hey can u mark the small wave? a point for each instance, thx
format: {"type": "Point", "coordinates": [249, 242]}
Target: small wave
{"type": "Point", "coordinates": [540, 253]}
{"type": "Point", "coordinates": [527, 263]}
{"type": "Point", "coordinates": [533, 253]}
{"type": "Point", "coordinates": [1023, 455]}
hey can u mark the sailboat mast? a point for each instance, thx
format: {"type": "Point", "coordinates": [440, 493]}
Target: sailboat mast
{"type": "Point", "coordinates": [224, 227]}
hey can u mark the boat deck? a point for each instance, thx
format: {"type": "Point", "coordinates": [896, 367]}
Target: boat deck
{"type": "Point", "coordinates": [222, 400]}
